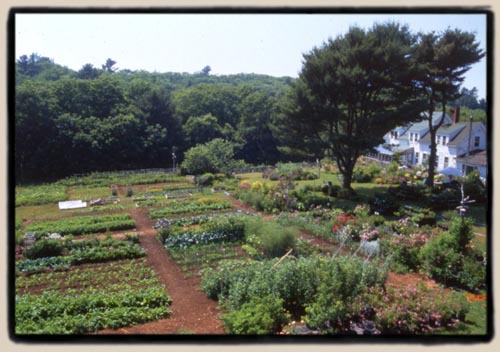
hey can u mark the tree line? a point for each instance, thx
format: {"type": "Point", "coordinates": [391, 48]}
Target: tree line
{"type": "Point", "coordinates": [98, 119]}
{"type": "Point", "coordinates": [351, 91]}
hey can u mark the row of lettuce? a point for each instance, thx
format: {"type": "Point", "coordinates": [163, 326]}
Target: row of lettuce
{"type": "Point", "coordinates": [116, 288]}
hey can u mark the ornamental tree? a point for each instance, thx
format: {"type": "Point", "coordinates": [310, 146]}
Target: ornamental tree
{"type": "Point", "coordinates": [351, 91]}
{"type": "Point", "coordinates": [441, 61]}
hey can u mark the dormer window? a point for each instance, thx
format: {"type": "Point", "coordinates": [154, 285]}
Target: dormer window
{"type": "Point", "coordinates": [476, 141]}
{"type": "Point", "coordinates": [444, 140]}
{"type": "Point", "coordinates": [438, 140]}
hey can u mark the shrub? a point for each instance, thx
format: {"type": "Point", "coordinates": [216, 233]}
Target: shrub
{"type": "Point", "coordinates": [363, 174]}
{"type": "Point", "coordinates": [257, 200]}
{"type": "Point", "coordinates": [411, 310]}
{"type": "Point", "coordinates": [275, 240]}
{"type": "Point", "coordinates": [214, 157]}
{"type": "Point", "coordinates": [207, 179]}
{"type": "Point", "coordinates": [45, 248]}
{"type": "Point", "coordinates": [311, 201]}
{"type": "Point", "coordinates": [474, 187]}
{"type": "Point", "coordinates": [261, 315]}
{"type": "Point", "coordinates": [453, 260]}
{"type": "Point", "coordinates": [296, 281]}
{"type": "Point", "coordinates": [383, 204]}
{"type": "Point", "coordinates": [342, 279]}
{"type": "Point", "coordinates": [446, 199]}
{"type": "Point", "coordinates": [405, 250]}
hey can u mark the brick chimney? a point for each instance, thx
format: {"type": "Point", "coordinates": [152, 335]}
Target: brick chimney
{"type": "Point", "coordinates": [455, 115]}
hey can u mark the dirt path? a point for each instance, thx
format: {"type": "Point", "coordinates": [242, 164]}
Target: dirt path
{"type": "Point", "coordinates": [192, 311]}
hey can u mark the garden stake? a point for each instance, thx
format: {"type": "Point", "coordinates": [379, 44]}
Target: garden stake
{"type": "Point", "coordinates": [282, 258]}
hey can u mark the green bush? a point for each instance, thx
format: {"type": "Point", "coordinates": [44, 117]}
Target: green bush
{"type": "Point", "coordinates": [275, 240]}
{"type": "Point", "coordinates": [342, 280]}
{"type": "Point", "coordinates": [296, 281]}
{"type": "Point", "coordinates": [311, 201]}
{"type": "Point", "coordinates": [411, 310]}
{"type": "Point", "coordinates": [366, 173]}
{"type": "Point", "coordinates": [453, 260]}
{"type": "Point", "coordinates": [207, 179]}
{"type": "Point", "coordinates": [45, 248]}
{"type": "Point", "coordinates": [259, 316]}
{"type": "Point", "coordinates": [474, 187]}
{"type": "Point", "coordinates": [331, 190]}
{"type": "Point", "coordinates": [212, 157]}
{"type": "Point", "coordinates": [405, 250]}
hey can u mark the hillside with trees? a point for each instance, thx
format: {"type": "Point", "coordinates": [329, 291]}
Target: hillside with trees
{"type": "Point", "coordinates": [98, 119]}
{"type": "Point", "coordinates": [343, 102]}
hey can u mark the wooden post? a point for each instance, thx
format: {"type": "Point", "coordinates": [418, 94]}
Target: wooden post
{"type": "Point", "coordinates": [282, 258]}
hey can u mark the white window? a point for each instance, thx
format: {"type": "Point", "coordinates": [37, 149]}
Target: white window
{"type": "Point", "coordinates": [438, 140]}
{"type": "Point", "coordinates": [416, 158]}
{"type": "Point", "coordinates": [444, 140]}
{"type": "Point", "coordinates": [476, 141]}
{"type": "Point", "coordinates": [446, 161]}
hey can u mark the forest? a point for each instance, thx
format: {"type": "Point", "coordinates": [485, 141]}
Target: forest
{"type": "Point", "coordinates": [96, 119]}
{"type": "Point", "coordinates": [103, 118]}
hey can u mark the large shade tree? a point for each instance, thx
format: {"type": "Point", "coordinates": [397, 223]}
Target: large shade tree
{"type": "Point", "coordinates": [351, 91]}
{"type": "Point", "coordinates": [442, 61]}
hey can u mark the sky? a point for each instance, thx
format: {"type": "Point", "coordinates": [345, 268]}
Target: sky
{"type": "Point", "coordinates": [270, 44]}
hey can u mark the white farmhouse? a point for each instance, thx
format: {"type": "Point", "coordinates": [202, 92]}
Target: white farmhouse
{"type": "Point", "coordinates": [460, 144]}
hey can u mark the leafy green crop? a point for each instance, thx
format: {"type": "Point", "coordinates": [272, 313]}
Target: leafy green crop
{"type": "Point", "coordinates": [218, 229]}
{"type": "Point", "coordinates": [190, 207]}
{"type": "Point", "coordinates": [40, 194]}
{"type": "Point", "coordinates": [121, 178]}
{"type": "Point", "coordinates": [57, 313]}
{"type": "Point", "coordinates": [112, 276]}
{"type": "Point", "coordinates": [83, 225]}
{"type": "Point", "coordinates": [93, 251]}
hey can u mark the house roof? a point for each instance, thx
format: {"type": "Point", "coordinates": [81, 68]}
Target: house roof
{"type": "Point", "coordinates": [477, 158]}
{"type": "Point", "coordinates": [458, 132]}
{"type": "Point", "coordinates": [464, 133]}
{"type": "Point", "coordinates": [382, 150]}
{"type": "Point", "coordinates": [424, 124]}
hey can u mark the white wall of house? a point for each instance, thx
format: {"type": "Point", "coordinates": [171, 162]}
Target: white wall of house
{"type": "Point", "coordinates": [410, 137]}
{"type": "Point", "coordinates": [477, 141]}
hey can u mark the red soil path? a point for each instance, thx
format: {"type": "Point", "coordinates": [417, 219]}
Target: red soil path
{"type": "Point", "coordinates": [192, 311]}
